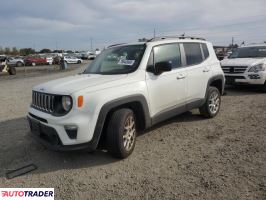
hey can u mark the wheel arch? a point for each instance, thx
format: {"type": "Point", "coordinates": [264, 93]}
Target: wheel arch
{"type": "Point", "coordinates": [137, 103]}
{"type": "Point", "coordinates": [17, 63]}
{"type": "Point", "coordinates": [216, 81]}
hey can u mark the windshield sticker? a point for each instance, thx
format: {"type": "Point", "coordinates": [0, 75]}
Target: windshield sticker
{"type": "Point", "coordinates": [126, 62]}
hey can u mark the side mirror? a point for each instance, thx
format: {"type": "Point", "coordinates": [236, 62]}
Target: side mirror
{"type": "Point", "coordinates": [150, 68]}
{"type": "Point", "coordinates": [161, 67]}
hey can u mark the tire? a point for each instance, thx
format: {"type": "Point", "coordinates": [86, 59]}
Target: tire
{"type": "Point", "coordinates": [121, 140]}
{"type": "Point", "coordinates": [78, 62]}
{"type": "Point", "coordinates": [264, 87]}
{"type": "Point", "coordinates": [213, 96]}
{"type": "Point", "coordinates": [19, 64]}
{"type": "Point", "coordinates": [12, 71]}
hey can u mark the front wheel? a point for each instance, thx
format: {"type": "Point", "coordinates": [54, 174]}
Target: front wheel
{"type": "Point", "coordinates": [12, 71]}
{"type": "Point", "coordinates": [212, 104]}
{"type": "Point", "coordinates": [121, 133]}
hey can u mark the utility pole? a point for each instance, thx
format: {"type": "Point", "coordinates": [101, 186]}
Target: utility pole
{"type": "Point", "coordinates": [91, 44]}
{"type": "Point", "coordinates": [232, 41]}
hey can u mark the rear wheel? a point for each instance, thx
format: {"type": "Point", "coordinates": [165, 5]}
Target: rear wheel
{"type": "Point", "coordinates": [79, 62]}
{"type": "Point", "coordinates": [19, 64]}
{"type": "Point", "coordinates": [12, 71]}
{"type": "Point", "coordinates": [121, 133]}
{"type": "Point", "coordinates": [212, 105]}
{"type": "Point", "coordinates": [264, 87]}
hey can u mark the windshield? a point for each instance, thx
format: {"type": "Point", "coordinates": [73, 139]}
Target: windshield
{"type": "Point", "coordinates": [249, 52]}
{"type": "Point", "coordinates": [117, 60]}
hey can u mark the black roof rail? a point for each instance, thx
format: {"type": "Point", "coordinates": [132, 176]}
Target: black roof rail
{"type": "Point", "coordinates": [113, 45]}
{"type": "Point", "coordinates": [175, 37]}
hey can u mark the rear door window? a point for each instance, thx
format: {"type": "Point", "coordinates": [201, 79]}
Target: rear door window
{"type": "Point", "coordinates": [193, 53]}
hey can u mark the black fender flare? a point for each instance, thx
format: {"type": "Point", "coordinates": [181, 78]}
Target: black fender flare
{"type": "Point", "coordinates": [215, 78]}
{"type": "Point", "coordinates": [113, 104]}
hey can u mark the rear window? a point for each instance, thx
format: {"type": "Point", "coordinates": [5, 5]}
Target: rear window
{"type": "Point", "coordinates": [193, 53]}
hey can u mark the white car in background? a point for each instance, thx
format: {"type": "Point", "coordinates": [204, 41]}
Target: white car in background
{"type": "Point", "coordinates": [50, 60]}
{"type": "Point", "coordinates": [72, 59]}
{"type": "Point", "coordinates": [246, 65]}
{"type": "Point", "coordinates": [97, 52]}
{"type": "Point", "coordinates": [15, 61]}
{"type": "Point", "coordinates": [91, 56]}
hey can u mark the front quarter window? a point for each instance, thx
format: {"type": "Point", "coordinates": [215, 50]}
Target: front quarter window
{"type": "Point", "coordinates": [117, 60]}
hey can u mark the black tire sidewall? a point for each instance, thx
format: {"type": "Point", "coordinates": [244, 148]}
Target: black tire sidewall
{"type": "Point", "coordinates": [264, 87]}
{"type": "Point", "coordinates": [12, 71]}
{"type": "Point", "coordinates": [115, 133]}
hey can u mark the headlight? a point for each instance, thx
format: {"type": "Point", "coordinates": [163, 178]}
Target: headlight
{"type": "Point", "coordinates": [258, 68]}
{"type": "Point", "coordinates": [66, 103]}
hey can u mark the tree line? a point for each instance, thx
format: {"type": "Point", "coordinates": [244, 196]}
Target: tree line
{"type": "Point", "coordinates": [27, 51]}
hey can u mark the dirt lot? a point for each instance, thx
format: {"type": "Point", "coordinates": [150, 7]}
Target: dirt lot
{"type": "Point", "coordinates": [186, 157]}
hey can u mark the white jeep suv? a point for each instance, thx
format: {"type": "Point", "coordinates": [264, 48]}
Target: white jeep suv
{"type": "Point", "coordinates": [127, 88]}
{"type": "Point", "coordinates": [246, 65]}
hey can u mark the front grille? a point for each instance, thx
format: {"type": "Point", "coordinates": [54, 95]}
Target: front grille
{"type": "Point", "coordinates": [42, 101]}
{"type": "Point", "coordinates": [235, 77]}
{"type": "Point", "coordinates": [234, 69]}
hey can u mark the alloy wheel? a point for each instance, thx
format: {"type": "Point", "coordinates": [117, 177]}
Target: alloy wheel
{"type": "Point", "coordinates": [129, 135]}
{"type": "Point", "coordinates": [214, 102]}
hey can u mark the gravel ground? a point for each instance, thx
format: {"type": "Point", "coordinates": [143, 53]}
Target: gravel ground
{"type": "Point", "coordinates": [187, 157]}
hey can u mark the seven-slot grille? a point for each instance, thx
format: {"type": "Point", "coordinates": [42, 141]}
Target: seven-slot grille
{"type": "Point", "coordinates": [43, 102]}
{"type": "Point", "coordinates": [234, 69]}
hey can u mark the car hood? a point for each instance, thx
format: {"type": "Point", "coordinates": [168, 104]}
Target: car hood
{"type": "Point", "coordinates": [242, 61]}
{"type": "Point", "coordinates": [71, 84]}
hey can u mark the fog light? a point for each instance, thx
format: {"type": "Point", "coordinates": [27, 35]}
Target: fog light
{"type": "Point", "coordinates": [71, 131]}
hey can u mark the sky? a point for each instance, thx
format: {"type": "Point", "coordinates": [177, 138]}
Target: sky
{"type": "Point", "coordinates": [73, 24]}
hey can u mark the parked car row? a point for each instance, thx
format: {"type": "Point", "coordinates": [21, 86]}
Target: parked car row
{"type": "Point", "coordinates": [12, 61]}
{"type": "Point", "coordinates": [88, 55]}
{"type": "Point", "coordinates": [37, 60]}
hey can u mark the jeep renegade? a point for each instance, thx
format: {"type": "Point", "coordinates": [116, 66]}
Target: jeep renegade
{"type": "Point", "coordinates": [127, 88]}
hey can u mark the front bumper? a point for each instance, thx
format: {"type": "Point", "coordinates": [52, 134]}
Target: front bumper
{"type": "Point", "coordinates": [245, 79]}
{"type": "Point", "coordinates": [48, 137]}
{"type": "Point", "coordinates": [54, 130]}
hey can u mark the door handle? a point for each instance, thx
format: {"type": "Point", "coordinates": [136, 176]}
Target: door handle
{"type": "Point", "coordinates": [206, 70]}
{"type": "Point", "coordinates": [180, 76]}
